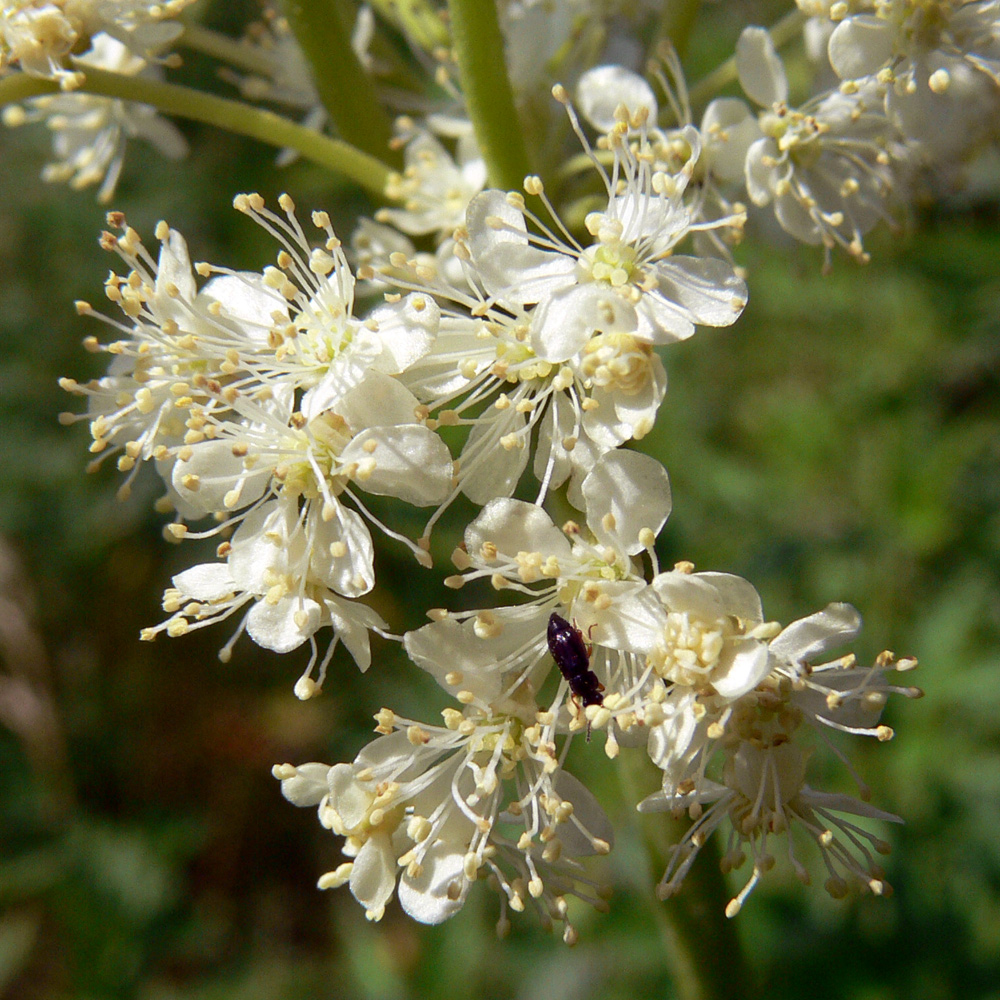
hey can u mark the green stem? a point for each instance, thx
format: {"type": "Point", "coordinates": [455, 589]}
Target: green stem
{"type": "Point", "coordinates": [225, 49]}
{"type": "Point", "coordinates": [709, 86]}
{"type": "Point", "coordinates": [343, 84]}
{"type": "Point", "coordinates": [701, 944]}
{"type": "Point", "coordinates": [417, 19]}
{"type": "Point", "coordinates": [243, 119]}
{"type": "Point", "coordinates": [479, 50]}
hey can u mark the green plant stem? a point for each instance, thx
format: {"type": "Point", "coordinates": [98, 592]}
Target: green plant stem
{"type": "Point", "coordinates": [488, 96]}
{"type": "Point", "coordinates": [343, 84]}
{"type": "Point", "coordinates": [244, 119]}
{"type": "Point", "coordinates": [225, 49]}
{"type": "Point", "coordinates": [709, 86]}
{"type": "Point", "coordinates": [418, 19]}
{"type": "Point", "coordinates": [701, 946]}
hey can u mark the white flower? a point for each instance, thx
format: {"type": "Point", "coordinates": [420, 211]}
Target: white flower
{"type": "Point", "coordinates": [89, 133]}
{"type": "Point", "coordinates": [440, 807]}
{"type": "Point", "coordinates": [632, 261]}
{"type": "Point", "coordinates": [602, 90]}
{"type": "Point", "coordinates": [485, 658]}
{"type": "Point", "coordinates": [188, 356]}
{"type": "Point", "coordinates": [38, 36]}
{"type": "Point", "coordinates": [939, 64]}
{"type": "Point", "coordinates": [911, 44]}
{"type": "Point", "coordinates": [287, 569]}
{"type": "Point", "coordinates": [824, 165]}
{"type": "Point", "coordinates": [761, 784]}
{"type": "Point", "coordinates": [434, 190]}
{"type": "Point", "coordinates": [714, 637]}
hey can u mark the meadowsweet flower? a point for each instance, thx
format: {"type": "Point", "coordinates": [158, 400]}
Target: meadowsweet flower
{"type": "Point", "coordinates": [285, 567]}
{"type": "Point", "coordinates": [555, 338]}
{"type": "Point", "coordinates": [743, 758]}
{"type": "Point", "coordinates": [434, 189]}
{"type": "Point", "coordinates": [824, 166]}
{"type": "Point", "coordinates": [483, 658]}
{"type": "Point", "coordinates": [439, 807]}
{"type": "Point", "coordinates": [632, 258]}
{"type": "Point", "coordinates": [188, 355]}
{"type": "Point", "coordinates": [39, 36]}
{"type": "Point", "coordinates": [611, 96]}
{"type": "Point", "coordinates": [89, 133]}
{"type": "Point", "coordinates": [265, 403]}
{"type": "Point", "coordinates": [938, 63]}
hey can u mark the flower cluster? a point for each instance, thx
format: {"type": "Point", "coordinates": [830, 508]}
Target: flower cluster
{"type": "Point", "coordinates": [467, 334]}
{"type": "Point", "coordinates": [40, 36]}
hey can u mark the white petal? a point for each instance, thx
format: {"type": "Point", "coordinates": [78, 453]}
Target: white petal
{"type": "Point", "coordinates": [514, 526]}
{"type": "Point", "coordinates": [860, 46]}
{"type": "Point", "coordinates": [308, 785]}
{"type": "Point", "coordinates": [269, 540]}
{"type": "Point", "coordinates": [174, 270]}
{"type": "Point", "coordinates": [488, 469]}
{"type": "Point", "coordinates": [453, 648]}
{"type": "Point", "coordinates": [637, 411]}
{"type": "Point", "coordinates": [373, 877]}
{"type": "Point", "coordinates": [634, 489]}
{"type": "Point", "coordinates": [761, 73]}
{"type": "Point", "coordinates": [393, 753]}
{"type": "Point", "coordinates": [687, 592]}
{"type": "Point", "coordinates": [728, 128]}
{"type": "Point", "coordinates": [633, 621]}
{"type": "Point", "coordinates": [600, 90]}
{"type": "Point", "coordinates": [406, 329]}
{"type": "Point", "coordinates": [246, 301]}
{"type": "Point", "coordinates": [206, 582]}
{"type": "Point", "coordinates": [739, 597]}
{"type": "Point", "coordinates": [353, 573]}
{"type": "Point", "coordinates": [587, 815]}
{"type": "Point", "coordinates": [378, 401]}
{"type": "Point", "coordinates": [748, 666]}
{"type": "Point", "coordinates": [707, 287]}
{"type": "Point", "coordinates": [352, 621]}
{"type": "Point", "coordinates": [506, 263]}
{"type": "Point", "coordinates": [439, 891]}
{"type": "Point", "coordinates": [815, 635]}
{"type": "Point", "coordinates": [565, 321]}
{"type": "Point", "coordinates": [212, 471]}
{"type": "Point", "coordinates": [285, 625]}
{"type": "Point", "coordinates": [557, 424]}
{"type": "Point", "coordinates": [410, 462]}
{"type": "Point", "coordinates": [348, 796]}
{"type": "Point", "coordinates": [760, 174]}
{"type": "Point", "coordinates": [796, 221]}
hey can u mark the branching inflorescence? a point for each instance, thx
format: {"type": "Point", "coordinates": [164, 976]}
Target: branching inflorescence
{"type": "Point", "coordinates": [273, 403]}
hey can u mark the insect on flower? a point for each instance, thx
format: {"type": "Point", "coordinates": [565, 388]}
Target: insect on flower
{"type": "Point", "coordinates": [569, 650]}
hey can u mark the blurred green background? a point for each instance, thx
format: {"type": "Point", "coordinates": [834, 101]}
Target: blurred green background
{"type": "Point", "coordinates": [839, 443]}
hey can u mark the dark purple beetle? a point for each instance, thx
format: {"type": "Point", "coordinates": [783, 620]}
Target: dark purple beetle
{"type": "Point", "coordinates": [569, 650]}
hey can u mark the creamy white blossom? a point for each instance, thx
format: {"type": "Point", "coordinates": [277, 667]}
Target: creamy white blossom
{"type": "Point", "coordinates": [289, 570]}
{"type": "Point", "coordinates": [89, 133]}
{"type": "Point", "coordinates": [38, 36]}
{"type": "Point", "coordinates": [590, 576]}
{"type": "Point", "coordinates": [440, 807]}
{"type": "Point", "coordinates": [739, 753]}
{"type": "Point", "coordinates": [825, 166]}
